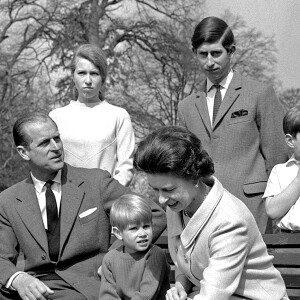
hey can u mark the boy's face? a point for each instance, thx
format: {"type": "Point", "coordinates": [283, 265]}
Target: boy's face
{"type": "Point", "coordinates": [137, 237]}
{"type": "Point", "coordinates": [294, 144]}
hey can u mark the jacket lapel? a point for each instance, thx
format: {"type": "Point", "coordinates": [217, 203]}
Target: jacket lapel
{"type": "Point", "coordinates": [72, 197]}
{"type": "Point", "coordinates": [231, 95]}
{"type": "Point", "coordinates": [30, 214]}
{"type": "Point", "coordinates": [203, 214]}
{"type": "Point", "coordinates": [201, 105]}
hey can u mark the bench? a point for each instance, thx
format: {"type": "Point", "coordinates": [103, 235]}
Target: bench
{"type": "Point", "coordinates": [285, 247]}
{"type": "Point", "coordinates": [286, 251]}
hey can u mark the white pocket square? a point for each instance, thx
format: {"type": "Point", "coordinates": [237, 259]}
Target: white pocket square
{"type": "Point", "coordinates": [87, 212]}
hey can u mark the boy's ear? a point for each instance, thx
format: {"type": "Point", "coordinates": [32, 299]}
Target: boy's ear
{"type": "Point", "coordinates": [117, 232]}
{"type": "Point", "coordinates": [289, 140]}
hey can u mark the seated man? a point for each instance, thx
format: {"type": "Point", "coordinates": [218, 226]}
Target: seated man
{"type": "Point", "coordinates": [58, 216]}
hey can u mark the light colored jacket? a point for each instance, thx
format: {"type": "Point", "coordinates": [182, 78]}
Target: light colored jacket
{"type": "Point", "coordinates": [221, 251]}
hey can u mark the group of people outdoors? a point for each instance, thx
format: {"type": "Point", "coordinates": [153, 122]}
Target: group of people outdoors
{"type": "Point", "coordinates": [218, 177]}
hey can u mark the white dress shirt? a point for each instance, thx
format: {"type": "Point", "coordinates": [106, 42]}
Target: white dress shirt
{"type": "Point", "coordinates": [210, 95]}
{"type": "Point", "coordinates": [40, 190]}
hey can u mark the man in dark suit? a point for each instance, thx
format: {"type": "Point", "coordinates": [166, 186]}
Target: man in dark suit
{"type": "Point", "coordinates": [61, 260]}
{"type": "Point", "coordinates": [237, 119]}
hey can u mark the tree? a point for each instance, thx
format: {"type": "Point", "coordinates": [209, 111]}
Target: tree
{"type": "Point", "coordinates": [290, 97]}
{"type": "Point", "coordinates": [153, 82]}
{"type": "Point", "coordinates": [151, 66]}
{"type": "Point", "coordinates": [23, 58]}
{"type": "Point", "coordinates": [37, 40]}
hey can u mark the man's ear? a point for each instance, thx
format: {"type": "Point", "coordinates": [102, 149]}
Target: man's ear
{"type": "Point", "coordinates": [231, 50]}
{"type": "Point", "coordinates": [23, 152]}
{"type": "Point", "coordinates": [289, 140]}
{"type": "Point", "coordinates": [117, 233]}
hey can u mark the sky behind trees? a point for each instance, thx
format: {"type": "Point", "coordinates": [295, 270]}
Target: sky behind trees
{"type": "Point", "coordinates": [274, 17]}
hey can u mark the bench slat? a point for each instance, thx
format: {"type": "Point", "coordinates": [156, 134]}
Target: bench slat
{"type": "Point", "coordinates": [287, 240]}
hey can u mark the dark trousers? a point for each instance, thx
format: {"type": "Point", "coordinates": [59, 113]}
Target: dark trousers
{"type": "Point", "coordinates": [62, 291]}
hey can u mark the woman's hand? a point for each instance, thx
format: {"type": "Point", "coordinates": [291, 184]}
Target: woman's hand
{"type": "Point", "coordinates": [176, 293]}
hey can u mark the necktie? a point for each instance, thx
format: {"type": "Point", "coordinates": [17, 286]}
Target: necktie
{"type": "Point", "coordinates": [217, 101]}
{"type": "Point", "coordinates": [53, 231]}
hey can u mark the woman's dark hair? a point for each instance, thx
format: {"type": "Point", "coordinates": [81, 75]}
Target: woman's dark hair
{"type": "Point", "coordinates": [211, 30]}
{"type": "Point", "coordinates": [173, 150]}
{"type": "Point", "coordinates": [97, 57]}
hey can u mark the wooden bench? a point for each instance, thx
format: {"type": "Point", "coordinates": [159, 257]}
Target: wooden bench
{"type": "Point", "coordinates": [286, 251]}
{"type": "Point", "coordinates": [285, 247]}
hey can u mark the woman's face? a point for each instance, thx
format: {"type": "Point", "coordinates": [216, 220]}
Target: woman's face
{"type": "Point", "coordinates": [87, 80]}
{"type": "Point", "coordinates": [173, 191]}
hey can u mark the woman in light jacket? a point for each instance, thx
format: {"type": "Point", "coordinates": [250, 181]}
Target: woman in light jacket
{"type": "Point", "coordinates": [214, 241]}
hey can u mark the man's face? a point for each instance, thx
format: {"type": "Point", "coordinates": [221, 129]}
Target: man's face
{"type": "Point", "coordinates": [214, 60]}
{"type": "Point", "coordinates": [45, 151]}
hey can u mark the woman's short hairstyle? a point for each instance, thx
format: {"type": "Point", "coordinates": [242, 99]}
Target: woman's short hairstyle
{"type": "Point", "coordinates": [211, 30]}
{"type": "Point", "coordinates": [173, 150]}
{"type": "Point", "coordinates": [97, 57]}
{"type": "Point", "coordinates": [291, 121]}
{"type": "Point", "coordinates": [21, 138]}
{"type": "Point", "coordinates": [130, 209]}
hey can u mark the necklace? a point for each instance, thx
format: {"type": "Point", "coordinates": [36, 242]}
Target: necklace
{"type": "Point", "coordinates": [189, 214]}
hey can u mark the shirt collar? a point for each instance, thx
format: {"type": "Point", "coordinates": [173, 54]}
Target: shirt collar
{"type": "Point", "coordinates": [38, 184]}
{"type": "Point", "coordinates": [293, 161]}
{"type": "Point", "coordinates": [224, 83]}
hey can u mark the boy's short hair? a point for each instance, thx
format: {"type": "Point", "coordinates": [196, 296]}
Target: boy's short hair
{"type": "Point", "coordinates": [291, 121]}
{"type": "Point", "coordinates": [129, 209]}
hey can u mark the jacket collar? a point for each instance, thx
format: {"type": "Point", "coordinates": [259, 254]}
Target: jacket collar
{"type": "Point", "coordinates": [199, 219]}
{"type": "Point", "coordinates": [72, 196]}
{"type": "Point", "coordinates": [230, 97]}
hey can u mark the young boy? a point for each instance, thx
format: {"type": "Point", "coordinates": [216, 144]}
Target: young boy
{"type": "Point", "coordinates": [282, 193]}
{"type": "Point", "coordinates": [137, 269]}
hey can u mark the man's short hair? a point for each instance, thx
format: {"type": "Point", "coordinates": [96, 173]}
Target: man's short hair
{"type": "Point", "coordinates": [20, 136]}
{"type": "Point", "coordinates": [291, 121]}
{"type": "Point", "coordinates": [130, 209]}
{"type": "Point", "coordinates": [211, 30]}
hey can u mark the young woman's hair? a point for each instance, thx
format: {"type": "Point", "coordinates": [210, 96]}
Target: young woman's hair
{"type": "Point", "coordinates": [97, 57]}
{"type": "Point", "coordinates": [130, 209]}
{"type": "Point", "coordinates": [173, 150]}
{"type": "Point", "coordinates": [211, 30]}
{"type": "Point", "coordinates": [291, 121]}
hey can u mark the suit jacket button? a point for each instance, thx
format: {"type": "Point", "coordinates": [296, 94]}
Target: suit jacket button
{"type": "Point", "coordinates": [44, 256]}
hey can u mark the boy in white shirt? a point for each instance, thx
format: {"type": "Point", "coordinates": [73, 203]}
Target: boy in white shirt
{"type": "Point", "coordinates": [282, 193]}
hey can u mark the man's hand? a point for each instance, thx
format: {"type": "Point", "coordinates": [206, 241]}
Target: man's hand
{"type": "Point", "coordinates": [31, 288]}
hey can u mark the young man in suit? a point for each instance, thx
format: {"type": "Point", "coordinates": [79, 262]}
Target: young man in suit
{"type": "Point", "coordinates": [58, 216]}
{"type": "Point", "coordinates": [237, 119]}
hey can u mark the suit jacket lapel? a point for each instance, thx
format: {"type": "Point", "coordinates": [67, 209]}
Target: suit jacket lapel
{"type": "Point", "coordinates": [201, 105]}
{"type": "Point", "coordinates": [72, 197]}
{"type": "Point", "coordinates": [30, 214]}
{"type": "Point", "coordinates": [230, 97]}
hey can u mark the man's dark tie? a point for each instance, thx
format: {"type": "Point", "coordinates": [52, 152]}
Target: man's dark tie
{"type": "Point", "coordinates": [217, 101]}
{"type": "Point", "coordinates": [53, 231]}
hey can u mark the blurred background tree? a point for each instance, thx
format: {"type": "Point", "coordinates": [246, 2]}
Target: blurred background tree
{"type": "Point", "coordinates": [147, 43]}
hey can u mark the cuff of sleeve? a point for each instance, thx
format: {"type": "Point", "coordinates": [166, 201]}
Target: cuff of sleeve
{"type": "Point", "coordinates": [11, 279]}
